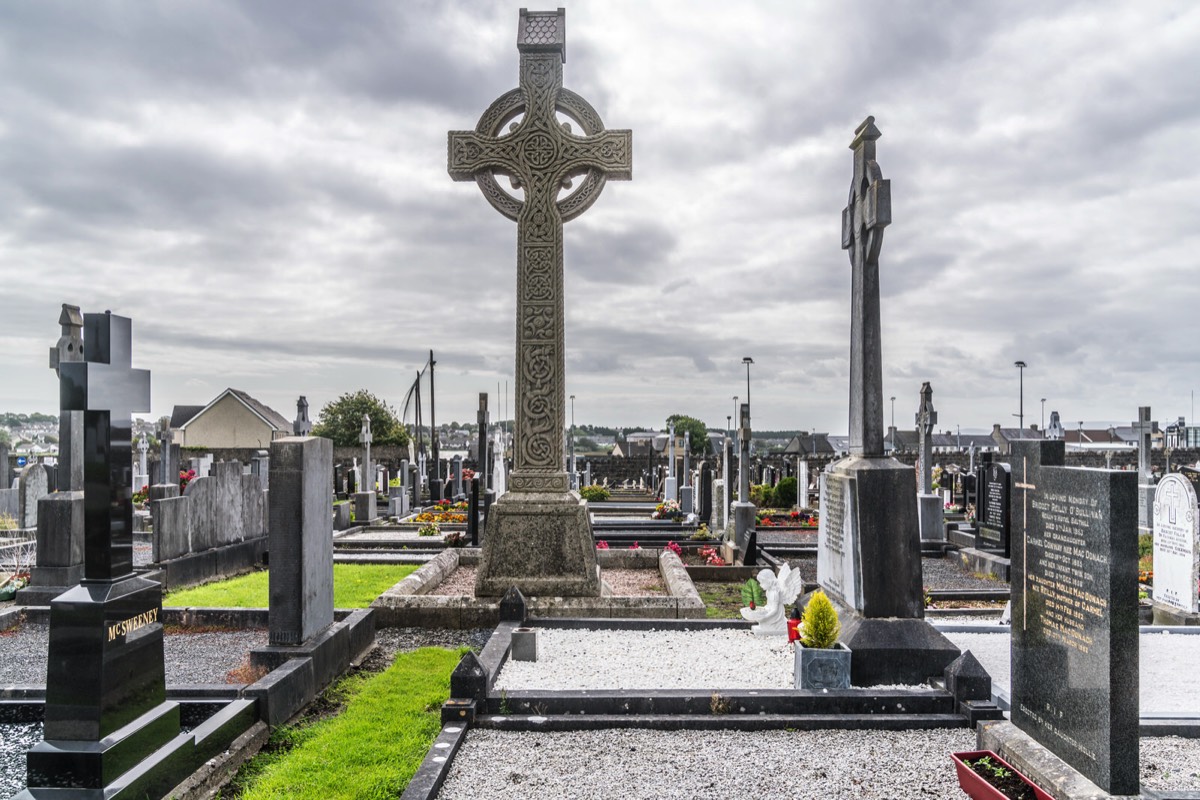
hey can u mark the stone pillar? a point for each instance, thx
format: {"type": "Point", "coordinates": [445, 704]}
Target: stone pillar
{"type": "Point", "coordinates": [744, 512]}
{"type": "Point", "coordinates": [1143, 428]}
{"type": "Point", "coordinates": [456, 467]}
{"type": "Point", "coordinates": [301, 539]}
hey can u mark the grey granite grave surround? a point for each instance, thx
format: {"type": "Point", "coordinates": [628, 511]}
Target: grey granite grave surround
{"type": "Point", "coordinates": [869, 548]}
{"type": "Point", "coordinates": [301, 539]}
{"type": "Point", "coordinates": [539, 535]}
{"type": "Point", "coordinates": [1074, 612]}
{"type": "Point", "coordinates": [1176, 552]}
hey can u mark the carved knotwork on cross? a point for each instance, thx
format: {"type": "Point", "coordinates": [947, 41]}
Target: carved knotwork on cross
{"type": "Point", "coordinates": [541, 156]}
{"type": "Point", "coordinates": [867, 213]}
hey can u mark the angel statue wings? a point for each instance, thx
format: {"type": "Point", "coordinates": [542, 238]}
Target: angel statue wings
{"type": "Point", "coordinates": [780, 591]}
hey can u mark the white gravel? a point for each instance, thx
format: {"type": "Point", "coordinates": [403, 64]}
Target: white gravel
{"type": "Point", "coordinates": [714, 659]}
{"type": "Point", "coordinates": [1168, 679]}
{"type": "Point", "coordinates": [707, 765]}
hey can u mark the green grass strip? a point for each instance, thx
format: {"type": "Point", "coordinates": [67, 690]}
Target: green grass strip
{"type": "Point", "coordinates": [354, 586]}
{"type": "Point", "coordinates": [373, 748]}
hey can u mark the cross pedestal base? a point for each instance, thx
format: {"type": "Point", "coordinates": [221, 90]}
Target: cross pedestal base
{"type": "Point", "coordinates": [542, 544]}
{"type": "Point", "coordinates": [890, 651]}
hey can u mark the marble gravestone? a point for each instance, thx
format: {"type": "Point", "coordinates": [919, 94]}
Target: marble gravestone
{"type": "Point", "coordinates": [301, 539]}
{"type": "Point", "coordinates": [745, 517]}
{"type": "Point", "coordinates": [539, 535]}
{"type": "Point", "coordinates": [671, 483]}
{"type": "Point", "coordinates": [106, 706]}
{"type": "Point", "coordinates": [1074, 612]}
{"type": "Point", "coordinates": [869, 548]}
{"type": "Point", "coordinates": [1176, 552]}
{"type": "Point", "coordinates": [364, 498]}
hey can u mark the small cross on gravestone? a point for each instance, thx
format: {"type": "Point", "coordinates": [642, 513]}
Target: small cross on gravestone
{"type": "Point", "coordinates": [539, 535]}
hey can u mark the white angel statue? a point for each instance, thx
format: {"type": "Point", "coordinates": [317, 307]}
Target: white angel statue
{"type": "Point", "coordinates": [780, 591]}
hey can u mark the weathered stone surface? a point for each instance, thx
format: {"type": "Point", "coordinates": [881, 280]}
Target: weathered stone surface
{"type": "Point", "coordinates": [33, 486]}
{"type": "Point", "coordinates": [539, 153]}
{"type": "Point", "coordinates": [301, 539]}
{"type": "Point", "coordinates": [59, 540]}
{"type": "Point", "coordinates": [1176, 544]}
{"type": "Point", "coordinates": [533, 543]}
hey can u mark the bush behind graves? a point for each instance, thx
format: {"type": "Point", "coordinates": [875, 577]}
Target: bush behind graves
{"type": "Point", "coordinates": [762, 496]}
{"type": "Point", "coordinates": [785, 493]}
{"type": "Point", "coordinates": [341, 420]}
{"type": "Point", "coordinates": [594, 493]}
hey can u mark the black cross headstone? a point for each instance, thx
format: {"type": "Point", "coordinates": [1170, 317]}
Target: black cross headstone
{"type": "Point", "coordinates": [108, 390]}
{"type": "Point", "coordinates": [867, 213]}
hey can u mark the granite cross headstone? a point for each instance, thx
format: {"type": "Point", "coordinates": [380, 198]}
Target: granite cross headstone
{"type": "Point", "coordinates": [744, 512]}
{"type": "Point", "coordinates": [869, 549]}
{"type": "Point", "coordinates": [1074, 612]}
{"type": "Point", "coordinates": [539, 535]}
{"type": "Point", "coordinates": [368, 469]}
{"type": "Point", "coordinates": [482, 421]}
{"type": "Point", "coordinates": [926, 419]}
{"type": "Point", "coordinates": [105, 663]}
{"type": "Point", "coordinates": [69, 348]}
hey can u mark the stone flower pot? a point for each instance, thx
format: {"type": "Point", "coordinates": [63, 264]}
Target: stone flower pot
{"type": "Point", "coordinates": [980, 787]}
{"type": "Point", "coordinates": [822, 668]}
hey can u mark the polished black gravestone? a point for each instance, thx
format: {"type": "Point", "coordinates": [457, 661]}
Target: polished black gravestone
{"type": "Point", "coordinates": [992, 512]}
{"type": "Point", "coordinates": [1075, 612]}
{"type": "Point", "coordinates": [106, 706]}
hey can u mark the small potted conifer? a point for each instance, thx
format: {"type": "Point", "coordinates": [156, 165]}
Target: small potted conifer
{"type": "Point", "coordinates": [822, 662]}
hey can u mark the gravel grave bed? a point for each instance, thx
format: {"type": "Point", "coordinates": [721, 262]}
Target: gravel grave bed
{"type": "Point", "coordinates": [205, 657]}
{"type": "Point", "coordinates": [1167, 682]}
{"type": "Point", "coordinates": [715, 765]}
{"type": "Point", "coordinates": [624, 582]}
{"type": "Point", "coordinates": [948, 575]}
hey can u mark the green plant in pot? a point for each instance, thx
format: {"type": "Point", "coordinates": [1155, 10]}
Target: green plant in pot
{"type": "Point", "coordinates": [822, 662]}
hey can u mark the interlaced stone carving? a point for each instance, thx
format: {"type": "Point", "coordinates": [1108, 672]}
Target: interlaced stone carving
{"type": "Point", "coordinates": [541, 156]}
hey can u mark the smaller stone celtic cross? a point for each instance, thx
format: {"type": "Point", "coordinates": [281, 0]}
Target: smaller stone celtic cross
{"type": "Point", "coordinates": [867, 213]}
{"type": "Point", "coordinates": [365, 438]}
{"type": "Point", "coordinates": [926, 419]}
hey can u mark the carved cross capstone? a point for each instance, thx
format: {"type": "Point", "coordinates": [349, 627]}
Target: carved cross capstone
{"type": "Point", "coordinates": [543, 157]}
{"type": "Point", "coordinates": [867, 213]}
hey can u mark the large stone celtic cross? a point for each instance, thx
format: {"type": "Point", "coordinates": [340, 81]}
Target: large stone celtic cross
{"type": "Point", "coordinates": [867, 213]}
{"type": "Point", "coordinates": [541, 156]}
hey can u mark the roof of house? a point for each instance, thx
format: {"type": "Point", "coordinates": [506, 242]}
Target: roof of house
{"type": "Point", "coordinates": [270, 416]}
{"type": "Point", "coordinates": [809, 444]}
{"type": "Point", "coordinates": [183, 414]}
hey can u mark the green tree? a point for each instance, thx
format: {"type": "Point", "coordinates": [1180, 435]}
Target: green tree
{"type": "Point", "coordinates": [341, 420]}
{"type": "Point", "coordinates": [785, 493]}
{"type": "Point", "coordinates": [684, 424]}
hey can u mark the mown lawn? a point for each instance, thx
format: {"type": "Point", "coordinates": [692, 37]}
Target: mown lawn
{"type": "Point", "coordinates": [369, 750]}
{"type": "Point", "coordinates": [354, 586]}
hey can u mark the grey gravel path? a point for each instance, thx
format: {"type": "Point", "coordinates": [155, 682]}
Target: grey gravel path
{"type": "Point", "coordinates": [948, 574]}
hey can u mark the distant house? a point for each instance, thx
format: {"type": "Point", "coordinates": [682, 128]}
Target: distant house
{"type": "Point", "coordinates": [809, 444]}
{"type": "Point", "coordinates": [233, 419]}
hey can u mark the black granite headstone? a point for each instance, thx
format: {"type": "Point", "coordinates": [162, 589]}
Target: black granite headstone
{"type": "Point", "coordinates": [992, 513]}
{"type": "Point", "coordinates": [105, 663]}
{"type": "Point", "coordinates": [706, 498]}
{"type": "Point", "coordinates": [1074, 612]}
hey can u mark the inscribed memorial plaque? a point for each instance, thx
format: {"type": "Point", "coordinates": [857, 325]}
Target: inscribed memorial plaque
{"type": "Point", "coordinates": [1074, 619]}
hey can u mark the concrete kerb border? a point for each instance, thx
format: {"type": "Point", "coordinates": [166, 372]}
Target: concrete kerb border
{"type": "Point", "coordinates": [409, 603]}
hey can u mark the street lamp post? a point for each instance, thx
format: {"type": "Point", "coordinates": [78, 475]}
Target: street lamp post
{"type": "Point", "coordinates": [1043, 416]}
{"type": "Point", "coordinates": [747, 361]}
{"type": "Point", "coordinates": [1020, 365]}
{"type": "Point", "coordinates": [893, 411]}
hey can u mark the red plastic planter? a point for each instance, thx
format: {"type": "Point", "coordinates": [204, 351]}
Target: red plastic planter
{"type": "Point", "coordinates": [977, 787]}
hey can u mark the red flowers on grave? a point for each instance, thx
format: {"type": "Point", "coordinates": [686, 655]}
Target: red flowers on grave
{"type": "Point", "coordinates": [711, 557]}
{"type": "Point", "coordinates": [185, 477]}
{"type": "Point", "coordinates": [635, 546]}
{"type": "Point", "coordinates": [794, 515]}
{"type": "Point", "coordinates": [676, 549]}
{"type": "Point", "coordinates": [602, 545]}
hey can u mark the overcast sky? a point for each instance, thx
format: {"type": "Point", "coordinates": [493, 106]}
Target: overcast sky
{"type": "Point", "coordinates": [262, 187]}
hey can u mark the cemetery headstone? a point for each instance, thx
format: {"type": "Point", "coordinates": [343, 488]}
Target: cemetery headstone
{"type": "Point", "coordinates": [671, 485]}
{"type": "Point", "coordinates": [169, 455]}
{"type": "Point", "coordinates": [992, 513]}
{"type": "Point", "coordinates": [482, 421]}
{"type": "Point", "coordinates": [301, 425]}
{"type": "Point", "coordinates": [802, 483]}
{"type": "Point", "coordinates": [539, 534]}
{"type": "Point", "coordinates": [705, 490]}
{"type": "Point", "coordinates": [1074, 612]}
{"type": "Point", "coordinates": [456, 467]}
{"type": "Point", "coordinates": [142, 477]}
{"type": "Point", "coordinates": [69, 348]}
{"type": "Point", "coordinates": [1176, 551]}
{"type": "Point", "coordinates": [1143, 428]}
{"type": "Point", "coordinates": [106, 705]}
{"type": "Point", "coordinates": [869, 549]}
{"type": "Point", "coordinates": [301, 539]}
{"type": "Point", "coordinates": [930, 511]}
{"type": "Point", "coordinates": [744, 512]}
{"type": "Point", "coordinates": [33, 484]}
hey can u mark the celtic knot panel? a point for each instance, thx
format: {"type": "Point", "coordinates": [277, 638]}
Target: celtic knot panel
{"type": "Point", "coordinates": [539, 268]}
{"type": "Point", "coordinates": [538, 323]}
{"type": "Point", "coordinates": [537, 482]}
